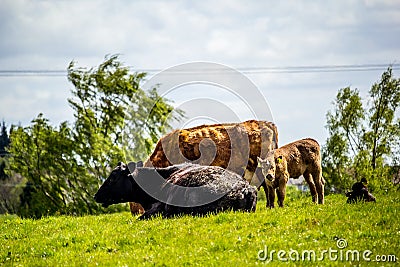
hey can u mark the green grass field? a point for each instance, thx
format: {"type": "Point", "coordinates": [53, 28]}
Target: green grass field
{"type": "Point", "coordinates": [336, 232]}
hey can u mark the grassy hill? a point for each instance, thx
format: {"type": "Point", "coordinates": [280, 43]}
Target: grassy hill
{"type": "Point", "coordinates": [302, 233]}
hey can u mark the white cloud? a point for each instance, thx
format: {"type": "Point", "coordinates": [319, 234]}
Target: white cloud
{"type": "Point", "coordinates": [23, 98]}
{"type": "Point", "coordinates": [158, 34]}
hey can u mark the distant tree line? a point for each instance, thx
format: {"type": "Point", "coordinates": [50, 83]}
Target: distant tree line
{"type": "Point", "coordinates": [58, 169]}
{"type": "Point", "coordinates": [364, 137]}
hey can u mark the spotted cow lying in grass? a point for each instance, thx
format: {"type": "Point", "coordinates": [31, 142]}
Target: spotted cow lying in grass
{"type": "Point", "coordinates": [179, 189]}
{"type": "Point", "coordinates": [298, 158]}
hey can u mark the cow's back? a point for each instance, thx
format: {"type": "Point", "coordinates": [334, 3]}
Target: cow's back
{"type": "Point", "coordinates": [307, 146]}
{"type": "Point", "coordinates": [300, 155]}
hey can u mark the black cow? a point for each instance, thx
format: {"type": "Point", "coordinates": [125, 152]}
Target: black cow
{"type": "Point", "coordinates": [360, 192]}
{"type": "Point", "coordinates": [179, 189]}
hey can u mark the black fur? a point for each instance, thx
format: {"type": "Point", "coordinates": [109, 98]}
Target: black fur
{"type": "Point", "coordinates": [155, 187]}
{"type": "Point", "coordinates": [359, 193]}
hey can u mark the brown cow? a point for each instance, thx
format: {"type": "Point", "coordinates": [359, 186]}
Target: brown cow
{"type": "Point", "coordinates": [302, 157]}
{"type": "Point", "coordinates": [232, 146]}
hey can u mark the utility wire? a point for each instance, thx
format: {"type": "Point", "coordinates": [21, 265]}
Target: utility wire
{"type": "Point", "coordinates": [246, 70]}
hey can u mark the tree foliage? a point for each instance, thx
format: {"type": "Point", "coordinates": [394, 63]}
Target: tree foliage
{"type": "Point", "coordinates": [384, 129]}
{"type": "Point", "coordinates": [363, 141]}
{"type": "Point", "coordinates": [64, 166]}
{"type": "Point", "coordinates": [8, 190]}
{"type": "Point", "coordinates": [44, 156]}
{"type": "Point", "coordinates": [4, 139]}
{"type": "Point", "coordinates": [4, 142]}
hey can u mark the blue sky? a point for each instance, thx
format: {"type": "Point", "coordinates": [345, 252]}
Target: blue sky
{"type": "Point", "coordinates": [154, 35]}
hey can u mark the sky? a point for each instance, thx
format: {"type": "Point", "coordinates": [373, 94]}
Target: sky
{"type": "Point", "coordinates": [298, 54]}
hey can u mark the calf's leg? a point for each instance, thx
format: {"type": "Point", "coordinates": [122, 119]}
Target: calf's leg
{"type": "Point", "coordinates": [313, 189]}
{"type": "Point", "coordinates": [268, 189]}
{"type": "Point", "coordinates": [319, 184]}
{"type": "Point", "coordinates": [281, 190]}
{"type": "Point", "coordinates": [269, 194]}
{"type": "Point", "coordinates": [136, 208]}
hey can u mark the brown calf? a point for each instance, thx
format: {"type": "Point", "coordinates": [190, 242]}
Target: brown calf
{"type": "Point", "coordinates": [302, 157]}
{"type": "Point", "coordinates": [232, 146]}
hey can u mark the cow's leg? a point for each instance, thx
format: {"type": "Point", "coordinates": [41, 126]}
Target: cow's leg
{"type": "Point", "coordinates": [156, 208]}
{"type": "Point", "coordinates": [280, 185]}
{"type": "Point", "coordinates": [268, 189]}
{"type": "Point", "coordinates": [319, 183]}
{"type": "Point", "coordinates": [269, 194]}
{"type": "Point", "coordinates": [136, 208]}
{"type": "Point", "coordinates": [307, 176]}
{"type": "Point", "coordinates": [281, 192]}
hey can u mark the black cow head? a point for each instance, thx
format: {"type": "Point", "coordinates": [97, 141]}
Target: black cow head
{"type": "Point", "coordinates": [118, 187]}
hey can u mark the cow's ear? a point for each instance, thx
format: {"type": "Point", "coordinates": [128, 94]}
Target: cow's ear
{"type": "Point", "coordinates": [120, 164]}
{"type": "Point", "coordinates": [131, 166]}
{"type": "Point", "coordinates": [279, 159]}
{"type": "Point", "coordinates": [139, 164]}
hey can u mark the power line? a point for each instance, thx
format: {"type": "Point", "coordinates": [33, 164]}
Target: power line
{"type": "Point", "coordinates": [316, 69]}
{"type": "Point", "coordinates": [245, 70]}
{"type": "Point", "coordinates": [32, 72]}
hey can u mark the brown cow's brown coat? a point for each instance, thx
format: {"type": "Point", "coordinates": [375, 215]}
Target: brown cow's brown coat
{"type": "Point", "coordinates": [233, 146]}
{"type": "Point", "coordinates": [298, 158]}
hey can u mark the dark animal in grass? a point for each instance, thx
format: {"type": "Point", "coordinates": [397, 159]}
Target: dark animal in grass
{"type": "Point", "coordinates": [179, 189]}
{"type": "Point", "coordinates": [360, 193]}
{"type": "Point", "coordinates": [302, 157]}
{"type": "Point", "coordinates": [232, 146]}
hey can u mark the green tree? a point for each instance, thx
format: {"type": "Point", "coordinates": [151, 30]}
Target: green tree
{"type": "Point", "coordinates": [37, 153]}
{"type": "Point", "coordinates": [345, 129]}
{"type": "Point", "coordinates": [4, 139]}
{"type": "Point", "coordinates": [384, 128]}
{"type": "Point", "coordinates": [4, 142]}
{"type": "Point", "coordinates": [65, 165]}
{"type": "Point", "coordinates": [109, 105]}
{"type": "Point", "coordinates": [363, 142]}
{"type": "Point", "coordinates": [9, 189]}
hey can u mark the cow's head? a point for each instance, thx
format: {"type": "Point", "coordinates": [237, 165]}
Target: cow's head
{"type": "Point", "coordinates": [267, 166]}
{"type": "Point", "coordinates": [118, 187]}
